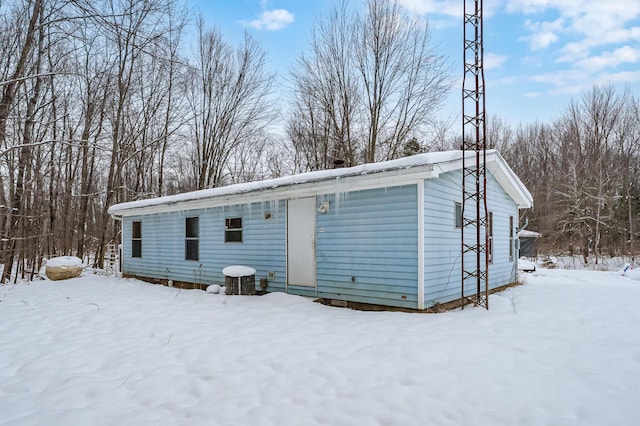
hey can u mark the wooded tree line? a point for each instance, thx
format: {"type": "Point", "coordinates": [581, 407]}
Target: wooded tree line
{"type": "Point", "coordinates": [583, 170]}
{"type": "Point", "coordinates": [100, 104]}
{"type": "Point", "coordinates": [109, 101]}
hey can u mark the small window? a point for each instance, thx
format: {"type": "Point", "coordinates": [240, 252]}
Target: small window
{"type": "Point", "coordinates": [233, 230]}
{"type": "Point", "coordinates": [192, 243]}
{"type": "Point", "coordinates": [490, 235]}
{"type": "Point", "coordinates": [510, 238]}
{"type": "Point", "coordinates": [136, 239]}
{"type": "Point", "coordinates": [458, 216]}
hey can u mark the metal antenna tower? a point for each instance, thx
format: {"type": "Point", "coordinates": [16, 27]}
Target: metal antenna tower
{"type": "Point", "coordinates": [475, 238]}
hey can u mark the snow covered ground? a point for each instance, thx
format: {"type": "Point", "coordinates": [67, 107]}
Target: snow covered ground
{"type": "Point", "coordinates": [564, 349]}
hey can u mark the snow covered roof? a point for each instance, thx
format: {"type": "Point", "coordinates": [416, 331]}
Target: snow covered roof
{"type": "Point", "coordinates": [428, 165]}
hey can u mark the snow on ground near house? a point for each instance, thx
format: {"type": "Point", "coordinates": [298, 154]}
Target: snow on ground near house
{"type": "Point", "coordinates": [564, 349]}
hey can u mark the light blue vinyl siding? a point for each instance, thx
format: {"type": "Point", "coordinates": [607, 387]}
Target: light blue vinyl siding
{"type": "Point", "coordinates": [502, 271]}
{"type": "Point", "coordinates": [370, 235]}
{"type": "Point", "coordinates": [442, 239]}
{"type": "Point", "coordinates": [163, 244]}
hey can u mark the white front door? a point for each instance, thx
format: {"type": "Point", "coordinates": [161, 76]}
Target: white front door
{"type": "Point", "coordinates": [301, 242]}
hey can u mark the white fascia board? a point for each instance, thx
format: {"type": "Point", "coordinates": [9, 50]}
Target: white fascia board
{"type": "Point", "coordinates": [385, 179]}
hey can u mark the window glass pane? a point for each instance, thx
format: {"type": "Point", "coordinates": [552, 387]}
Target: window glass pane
{"type": "Point", "coordinates": [136, 248]}
{"type": "Point", "coordinates": [192, 227]}
{"type": "Point", "coordinates": [233, 223]}
{"type": "Point", "coordinates": [192, 249]}
{"type": "Point", "coordinates": [136, 231]}
{"type": "Point", "coordinates": [510, 238]}
{"type": "Point", "coordinates": [192, 244]}
{"type": "Point", "coordinates": [233, 237]}
{"type": "Point", "coordinates": [233, 230]}
{"type": "Point", "coordinates": [136, 239]}
{"type": "Point", "coordinates": [490, 231]}
{"type": "Point", "coordinates": [458, 215]}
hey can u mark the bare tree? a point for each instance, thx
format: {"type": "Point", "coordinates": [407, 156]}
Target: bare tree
{"type": "Point", "coordinates": [627, 154]}
{"type": "Point", "coordinates": [230, 103]}
{"type": "Point", "coordinates": [370, 83]}
{"type": "Point", "coordinates": [88, 113]}
{"type": "Point", "coordinates": [323, 125]}
{"type": "Point", "coordinates": [582, 171]}
{"type": "Point", "coordinates": [590, 126]}
{"type": "Point", "coordinates": [133, 29]}
{"type": "Point", "coordinates": [405, 80]}
{"type": "Point", "coordinates": [32, 38]}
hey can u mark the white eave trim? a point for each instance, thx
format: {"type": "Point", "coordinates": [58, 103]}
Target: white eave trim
{"type": "Point", "coordinates": [386, 179]}
{"type": "Point", "coordinates": [341, 181]}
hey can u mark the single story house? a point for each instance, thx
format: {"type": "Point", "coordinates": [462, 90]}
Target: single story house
{"type": "Point", "coordinates": [386, 233]}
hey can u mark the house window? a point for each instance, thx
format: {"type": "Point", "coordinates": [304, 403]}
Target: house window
{"type": "Point", "coordinates": [458, 215]}
{"type": "Point", "coordinates": [233, 230]}
{"type": "Point", "coordinates": [192, 241]}
{"type": "Point", "coordinates": [136, 239]}
{"type": "Point", "coordinates": [490, 235]}
{"type": "Point", "coordinates": [510, 238]}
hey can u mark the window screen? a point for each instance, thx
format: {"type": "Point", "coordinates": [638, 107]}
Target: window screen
{"type": "Point", "coordinates": [490, 233]}
{"type": "Point", "coordinates": [192, 243]}
{"type": "Point", "coordinates": [233, 230]}
{"type": "Point", "coordinates": [136, 239]}
{"type": "Point", "coordinates": [510, 238]}
{"type": "Point", "coordinates": [458, 215]}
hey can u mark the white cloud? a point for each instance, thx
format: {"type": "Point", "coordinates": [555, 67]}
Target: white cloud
{"type": "Point", "coordinates": [573, 51]}
{"type": "Point", "coordinates": [531, 61]}
{"type": "Point", "coordinates": [623, 35]}
{"type": "Point", "coordinates": [622, 77]}
{"type": "Point", "coordinates": [271, 20]}
{"type": "Point", "coordinates": [541, 40]}
{"type": "Point", "coordinates": [454, 8]}
{"type": "Point", "coordinates": [589, 23]}
{"type": "Point", "coordinates": [592, 40]}
{"type": "Point", "coordinates": [565, 81]}
{"type": "Point", "coordinates": [440, 24]}
{"type": "Point", "coordinates": [621, 55]}
{"type": "Point", "coordinates": [543, 34]}
{"type": "Point", "coordinates": [532, 95]}
{"type": "Point", "coordinates": [506, 81]}
{"type": "Point", "coordinates": [492, 60]}
{"type": "Point", "coordinates": [441, 7]}
{"type": "Point", "coordinates": [577, 8]}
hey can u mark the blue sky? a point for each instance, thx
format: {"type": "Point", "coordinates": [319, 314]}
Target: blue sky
{"type": "Point", "coordinates": [539, 54]}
